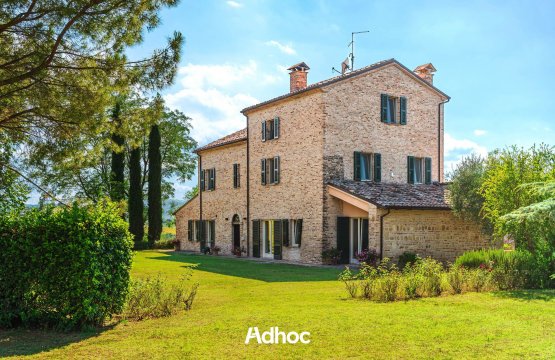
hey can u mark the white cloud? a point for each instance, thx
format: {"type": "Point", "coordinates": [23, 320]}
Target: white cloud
{"type": "Point", "coordinates": [479, 132]}
{"type": "Point", "coordinates": [286, 49]}
{"type": "Point", "coordinates": [234, 4]}
{"type": "Point", "coordinates": [456, 149]}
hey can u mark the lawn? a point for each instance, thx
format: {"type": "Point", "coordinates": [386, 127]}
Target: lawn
{"type": "Point", "coordinates": [236, 294]}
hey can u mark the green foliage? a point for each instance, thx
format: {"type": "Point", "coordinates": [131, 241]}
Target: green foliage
{"type": "Point", "coordinates": [13, 192]}
{"type": "Point", "coordinates": [466, 197]}
{"type": "Point", "coordinates": [136, 204]}
{"type": "Point", "coordinates": [154, 297]}
{"type": "Point", "coordinates": [63, 267]}
{"type": "Point", "coordinates": [476, 258]}
{"type": "Point", "coordinates": [154, 186]}
{"type": "Point", "coordinates": [331, 256]}
{"type": "Point", "coordinates": [456, 277]}
{"type": "Point", "coordinates": [407, 258]}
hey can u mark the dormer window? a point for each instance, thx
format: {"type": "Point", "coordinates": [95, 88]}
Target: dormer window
{"type": "Point", "coordinates": [270, 129]}
{"type": "Point", "coordinates": [393, 109]}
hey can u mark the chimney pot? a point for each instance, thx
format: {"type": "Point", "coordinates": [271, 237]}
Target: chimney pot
{"type": "Point", "coordinates": [426, 72]}
{"type": "Point", "coordinates": [298, 76]}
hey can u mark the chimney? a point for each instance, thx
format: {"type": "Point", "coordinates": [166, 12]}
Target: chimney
{"type": "Point", "coordinates": [298, 76]}
{"type": "Point", "coordinates": [426, 72]}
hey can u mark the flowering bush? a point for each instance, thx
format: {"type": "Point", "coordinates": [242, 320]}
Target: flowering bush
{"type": "Point", "coordinates": [367, 256]}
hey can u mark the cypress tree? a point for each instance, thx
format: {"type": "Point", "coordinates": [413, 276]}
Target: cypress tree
{"type": "Point", "coordinates": [154, 186]}
{"type": "Point", "coordinates": [136, 220]}
{"type": "Point", "coordinates": [117, 172]}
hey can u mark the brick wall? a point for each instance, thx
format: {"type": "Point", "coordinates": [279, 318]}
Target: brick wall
{"type": "Point", "coordinates": [222, 203]}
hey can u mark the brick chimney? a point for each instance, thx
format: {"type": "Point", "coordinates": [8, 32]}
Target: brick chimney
{"type": "Point", "coordinates": [298, 76]}
{"type": "Point", "coordinates": [426, 72]}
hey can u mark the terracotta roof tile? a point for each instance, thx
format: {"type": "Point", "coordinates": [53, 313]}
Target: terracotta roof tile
{"type": "Point", "coordinates": [226, 140]}
{"type": "Point", "coordinates": [397, 196]}
{"type": "Point", "coordinates": [344, 77]}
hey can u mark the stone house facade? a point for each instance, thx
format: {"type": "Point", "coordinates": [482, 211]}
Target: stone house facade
{"type": "Point", "coordinates": [352, 162]}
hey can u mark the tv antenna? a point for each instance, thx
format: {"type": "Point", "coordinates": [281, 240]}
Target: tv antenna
{"type": "Point", "coordinates": [345, 64]}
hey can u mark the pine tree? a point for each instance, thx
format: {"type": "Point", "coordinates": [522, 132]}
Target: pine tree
{"type": "Point", "coordinates": [136, 220]}
{"type": "Point", "coordinates": [117, 175]}
{"type": "Point", "coordinates": [154, 186]}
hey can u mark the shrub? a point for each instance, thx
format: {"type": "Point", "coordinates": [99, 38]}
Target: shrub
{"type": "Point", "coordinates": [431, 272]}
{"type": "Point", "coordinates": [368, 256]}
{"type": "Point", "coordinates": [350, 281]}
{"type": "Point", "coordinates": [164, 244]}
{"type": "Point", "coordinates": [63, 267]}
{"type": "Point", "coordinates": [478, 279]}
{"type": "Point", "coordinates": [387, 287]}
{"type": "Point", "coordinates": [331, 256]}
{"type": "Point", "coordinates": [456, 278]}
{"type": "Point", "coordinates": [155, 298]}
{"type": "Point", "coordinates": [407, 258]}
{"type": "Point", "coordinates": [412, 281]}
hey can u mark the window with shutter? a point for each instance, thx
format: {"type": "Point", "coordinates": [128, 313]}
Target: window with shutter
{"type": "Point", "coordinates": [269, 129]}
{"type": "Point", "coordinates": [263, 171]}
{"type": "Point", "coordinates": [190, 230]}
{"type": "Point", "coordinates": [377, 167]}
{"type": "Point", "coordinates": [197, 230]}
{"type": "Point", "coordinates": [403, 110]}
{"type": "Point", "coordinates": [428, 170]}
{"type": "Point", "coordinates": [285, 232]}
{"type": "Point", "coordinates": [299, 231]}
{"type": "Point", "coordinates": [212, 233]}
{"type": "Point", "coordinates": [276, 127]}
{"type": "Point", "coordinates": [276, 170]}
{"type": "Point", "coordinates": [202, 181]}
{"type": "Point", "coordinates": [278, 239]}
{"type": "Point", "coordinates": [343, 234]}
{"type": "Point", "coordinates": [364, 234]}
{"type": "Point", "coordinates": [383, 114]}
{"type": "Point", "coordinates": [236, 176]}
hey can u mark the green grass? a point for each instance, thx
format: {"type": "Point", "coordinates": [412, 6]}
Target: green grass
{"type": "Point", "coordinates": [238, 293]}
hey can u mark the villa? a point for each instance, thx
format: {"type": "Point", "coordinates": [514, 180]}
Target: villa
{"type": "Point", "coordinates": [352, 162]}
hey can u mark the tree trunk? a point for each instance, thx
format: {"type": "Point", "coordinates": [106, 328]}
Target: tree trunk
{"type": "Point", "coordinates": [154, 186]}
{"type": "Point", "coordinates": [117, 176]}
{"type": "Point", "coordinates": [136, 220]}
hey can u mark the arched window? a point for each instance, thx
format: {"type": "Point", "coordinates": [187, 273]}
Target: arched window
{"type": "Point", "coordinates": [236, 219]}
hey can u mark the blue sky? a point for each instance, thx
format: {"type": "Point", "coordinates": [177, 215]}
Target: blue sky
{"type": "Point", "coordinates": [495, 59]}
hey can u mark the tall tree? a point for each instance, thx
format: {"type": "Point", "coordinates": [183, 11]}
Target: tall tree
{"type": "Point", "coordinates": [154, 186]}
{"type": "Point", "coordinates": [117, 169]}
{"type": "Point", "coordinates": [136, 205]}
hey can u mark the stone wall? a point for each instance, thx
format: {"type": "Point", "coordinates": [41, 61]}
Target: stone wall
{"type": "Point", "coordinates": [299, 194]}
{"type": "Point", "coordinates": [189, 211]}
{"type": "Point", "coordinates": [435, 233]}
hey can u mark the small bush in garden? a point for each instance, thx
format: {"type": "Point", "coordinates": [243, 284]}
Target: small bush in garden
{"type": "Point", "coordinates": [473, 259]}
{"type": "Point", "coordinates": [368, 256]}
{"type": "Point", "coordinates": [456, 276]}
{"type": "Point", "coordinates": [412, 281]}
{"type": "Point", "coordinates": [431, 271]}
{"type": "Point", "coordinates": [331, 256]}
{"type": "Point", "coordinates": [387, 286]}
{"type": "Point", "coordinates": [407, 258]}
{"type": "Point", "coordinates": [164, 244]}
{"type": "Point", "coordinates": [155, 298]}
{"type": "Point", "coordinates": [478, 279]}
{"type": "Point", "coordinates": [63, 268]}
{"type": "Point", "coordinates": [350, 281]}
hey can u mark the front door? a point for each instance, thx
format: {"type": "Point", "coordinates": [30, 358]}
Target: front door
{"type": "Point", "coordinates": [236, 236]}
{"type": "Point", "coordinates": [352, 238]}
{"type": "Point", "coordinates": [268, 239]}
{"type": "Point", "coordinates": [355, 245]}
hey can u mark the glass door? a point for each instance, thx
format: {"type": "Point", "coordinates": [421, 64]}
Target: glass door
{"type": "Point", "coordinates": [356, 239]}
{"type": "Point", "coordinates": [268, 238]}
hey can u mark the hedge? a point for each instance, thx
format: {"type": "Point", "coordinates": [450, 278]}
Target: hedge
{"type": "Point", "coordinates": [63, 268]}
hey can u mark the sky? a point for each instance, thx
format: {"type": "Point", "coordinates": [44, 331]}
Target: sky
{"type": "Point", "coordinates": [496, 60]}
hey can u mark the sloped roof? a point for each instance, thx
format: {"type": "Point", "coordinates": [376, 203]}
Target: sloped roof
{"type": "Point", "coordinates": [427, 66]}
{"type": "Point", "coordinates": [335, 79]}
{"type": "Point", "coordinates": [397, 196]}
{"type": "Point", "coordinates": [185, 204]}
{"type": "Point", "coordinates": [237, 136]}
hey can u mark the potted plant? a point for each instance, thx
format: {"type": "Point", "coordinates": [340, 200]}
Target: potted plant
{"type": "Point", "coordinates": [215, 250]}
{"type": "Point", "coordinates": [331, 256]}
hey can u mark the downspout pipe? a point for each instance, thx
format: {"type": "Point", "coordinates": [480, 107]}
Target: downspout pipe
{"type": "Point", "coordinates": [248, 192]}
{"type": "Point", "coordinates": [381, 233]}
{"type": "Point", "coordinates": [200, 194]}
{"type": "Point", "coordinates": [439, 137]}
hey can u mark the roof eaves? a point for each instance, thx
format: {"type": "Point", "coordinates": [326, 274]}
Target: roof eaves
{"type": "Point", "coordinates": [182, 206]}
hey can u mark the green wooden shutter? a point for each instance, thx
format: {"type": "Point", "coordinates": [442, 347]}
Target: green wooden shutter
{"type": "Point", "coordinates": [256, 238]}
{"type": "Point", "coordinates": [364, 234]}
{"type": "Point", "coordinates": [214, 179]}
{"type": "Point", "coordinates": [276, 127]}
{"type": "Point", "coordinates": [343, 233]}
{"type": "Point", "coordinates": [202, 184]}
{"type": "Point", "coordinates": [383, 107]}
{"type": "Point", "coordinates": [403, 119]}
{"type": "Point", "coordinates": [285, 232]}
{"type": "Point", "coordinates": [377, 167]}
{"type": "Point", "coordinates": [299, 231]}
{"type": "Point", "coordinates": [356, 162]}
{"type": "Point", "coordinates": [428, 170]}
{"type": "Point", "coordinates": [190, 230]}
{"type": "Point", "coordinates": [198, 230]}
{"type": "Point", "coordinates": [263, 171]}
{"type": "Point", "coordinates": [202, 234]}
{"type": "Point", "coordinates": [278, 241]}
{"type": "Point", "coordinates": [212, 232]}
{"type": "Point", "coordinates": [410, 169]}
{"type": "Point", "coordinates": [263, 130]}
{"type": "Point", "coordinates": [276, 170]}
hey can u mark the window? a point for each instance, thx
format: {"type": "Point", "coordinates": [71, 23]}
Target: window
{"type": "Point", "coordinates": [419, 170]}
{"type": "Point", "coordinates": [270, 171]}
{"type": "Point", "coordinates": [268, 238]}
{"type": "Point", "coordinates": [193, 230]}
{"type": "Point", "coordinates": [367, 166]}
{"type": "Point", "coordinates": [270, 129]}
{"type": "Point", "coordinates": [393, 109]}
{"type": "Point", "coordinates": [208, 179]}
{"type": "Point", "coordinates": [295, 231]}
{"type": "Point", "coordinates": [236, 176]}
{"type": "Point", "coordinates": [210, 232]}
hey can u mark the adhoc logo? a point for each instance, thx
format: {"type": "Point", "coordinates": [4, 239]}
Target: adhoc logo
{"type": "Point", "coordinates": [274, 336]}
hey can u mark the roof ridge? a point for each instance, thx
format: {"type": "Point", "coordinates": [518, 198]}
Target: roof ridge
{"type": "Point", "coordinates": [239, 135]}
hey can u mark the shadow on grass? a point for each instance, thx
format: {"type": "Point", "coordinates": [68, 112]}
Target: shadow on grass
{"type": "Point", "coordinates": [527, 295]}
{"type": "Point", "coordinates": [20, 342]}
{"type": "Point", "coordinates": [252, 269]}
